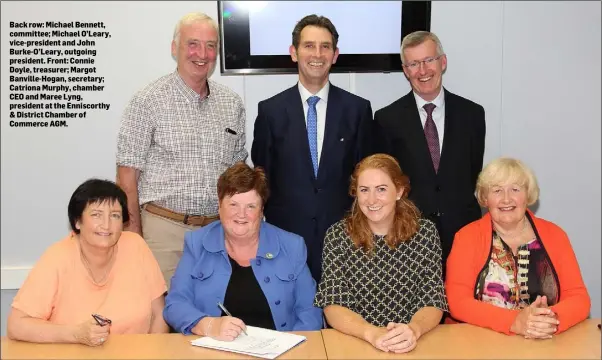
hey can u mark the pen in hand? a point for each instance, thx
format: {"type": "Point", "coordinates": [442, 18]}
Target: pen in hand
{"type": "Point", "coordinates": [219, 304]}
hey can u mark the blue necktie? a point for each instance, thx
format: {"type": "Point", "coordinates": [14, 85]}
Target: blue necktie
{"type": "Point", "coordinates": [312, 131]}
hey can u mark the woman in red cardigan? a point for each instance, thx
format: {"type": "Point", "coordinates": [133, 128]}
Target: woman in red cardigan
{"type": "Point", "coordinates": [511, 271]}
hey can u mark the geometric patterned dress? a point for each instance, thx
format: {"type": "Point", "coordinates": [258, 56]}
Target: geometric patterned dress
{"type": "Point", "coordinates": [384, 285]}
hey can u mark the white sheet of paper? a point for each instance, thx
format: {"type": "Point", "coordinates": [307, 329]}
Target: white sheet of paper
{"type": "Point", "coordinates": [259, 342]}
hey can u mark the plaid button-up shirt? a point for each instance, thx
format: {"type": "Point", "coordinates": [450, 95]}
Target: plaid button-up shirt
{"type": "Point", "coordinates": [181, 143]}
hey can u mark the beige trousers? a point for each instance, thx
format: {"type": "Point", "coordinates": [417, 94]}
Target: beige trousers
{"type": "Point", "coordinates": [166, 240]}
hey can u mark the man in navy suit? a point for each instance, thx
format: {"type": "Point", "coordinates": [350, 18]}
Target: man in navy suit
{"type": "Point", "coordinates": [308, 139]}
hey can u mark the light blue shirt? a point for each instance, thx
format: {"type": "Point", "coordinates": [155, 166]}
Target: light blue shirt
{"type": "Point", "coordinates": [280, 267]}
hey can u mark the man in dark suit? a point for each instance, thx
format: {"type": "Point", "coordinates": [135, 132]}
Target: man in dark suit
{"type": "Point", "coordinates": [309, 139]}
{"type": "Point", "coordinates": [437, 137]}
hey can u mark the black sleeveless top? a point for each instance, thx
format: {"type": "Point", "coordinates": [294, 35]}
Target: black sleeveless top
{"type": "Point", "coordinates": [245, 300]}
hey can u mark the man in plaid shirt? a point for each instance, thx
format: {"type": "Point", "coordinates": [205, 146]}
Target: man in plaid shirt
{"type": "Point", "coordinates": [177, 135]}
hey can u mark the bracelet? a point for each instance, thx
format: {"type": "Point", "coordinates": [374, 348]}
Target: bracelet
{"type": "Point", "coordinates": [209, 327]}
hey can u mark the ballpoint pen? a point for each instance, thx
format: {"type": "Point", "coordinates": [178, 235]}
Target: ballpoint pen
{"type": "Point", "coordinates": [228, 313]}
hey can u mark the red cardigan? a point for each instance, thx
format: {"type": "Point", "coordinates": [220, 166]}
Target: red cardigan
{"type": "Point", "coordinates": [470, 250]}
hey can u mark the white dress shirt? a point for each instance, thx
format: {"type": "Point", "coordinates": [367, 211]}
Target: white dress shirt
{"type": "Point", "coordinates": [438, 113]}
{"type": "Point", "coordinates": [320, 109]}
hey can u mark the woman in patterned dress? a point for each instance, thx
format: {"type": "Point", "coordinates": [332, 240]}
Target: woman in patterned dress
{"type": "Point", "coordinates": [512, 271]}
{"type": "Point", "coordinates": [381, 267]}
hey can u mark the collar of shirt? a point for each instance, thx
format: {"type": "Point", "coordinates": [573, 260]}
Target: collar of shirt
{"type": "Point", "coordinates": [188, 93]}
{"type": "Point", "coordinates": [306, 94]}
{"type": "Point", "coordinates": [439, 101]}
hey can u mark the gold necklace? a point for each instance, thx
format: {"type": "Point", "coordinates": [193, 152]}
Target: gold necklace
{"type": "Point", "coordinates": [87, 266]}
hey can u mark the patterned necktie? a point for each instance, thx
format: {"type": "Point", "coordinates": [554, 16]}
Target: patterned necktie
{"type": "Point", "coordinates": [432, 136]}
{"type": "Point", "coordinates": [312, 131]}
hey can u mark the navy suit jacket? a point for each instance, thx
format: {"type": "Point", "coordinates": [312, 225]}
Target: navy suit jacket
{"type": "Point", "coordinates": [299, 202]}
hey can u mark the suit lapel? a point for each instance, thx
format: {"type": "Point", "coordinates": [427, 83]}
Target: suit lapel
{"type": "Point", "coordinates": [415, 134]}
{"type": "Point", "coordinates": [298, 138]}
{"type": "Point", "coordinates": [331, 131]}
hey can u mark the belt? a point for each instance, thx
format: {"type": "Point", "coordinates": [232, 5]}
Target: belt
{"type": "Point", "coordinates": [195, 220]}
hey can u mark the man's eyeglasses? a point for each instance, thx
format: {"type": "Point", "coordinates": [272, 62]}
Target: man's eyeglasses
{"type": "Point", "coordinates": [416, 64]}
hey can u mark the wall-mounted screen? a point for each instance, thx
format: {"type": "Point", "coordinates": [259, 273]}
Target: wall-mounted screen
{"type": "Point", "coordinates": [256, 35]}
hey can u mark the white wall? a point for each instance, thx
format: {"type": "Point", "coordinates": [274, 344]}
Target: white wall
{"type": "Point", "coordinates": [534, 66]}
{"type": "Point", "coordinates": [551, 116]}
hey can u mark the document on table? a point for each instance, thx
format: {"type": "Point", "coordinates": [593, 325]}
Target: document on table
{"type": "Point", "coordinates": [259, 342]}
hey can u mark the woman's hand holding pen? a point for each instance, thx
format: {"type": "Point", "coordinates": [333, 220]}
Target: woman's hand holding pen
{"type": "Point", "coordinates": [91, 334]}
{"type": "Point", "coordinates": [224, 328]}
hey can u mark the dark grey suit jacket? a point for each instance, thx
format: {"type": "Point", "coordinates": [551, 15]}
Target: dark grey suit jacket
{"type": "Point", "coordinates": [446, 197]}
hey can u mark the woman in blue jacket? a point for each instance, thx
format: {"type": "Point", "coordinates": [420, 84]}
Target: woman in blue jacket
{"type": "Point", "coordinates": [256, 270]}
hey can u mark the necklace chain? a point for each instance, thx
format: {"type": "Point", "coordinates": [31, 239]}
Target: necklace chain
{"type": "Point", "coordinates": [87, 266]}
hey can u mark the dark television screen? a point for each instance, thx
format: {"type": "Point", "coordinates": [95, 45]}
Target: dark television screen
{"type": "Point", "coordinates": [256, 35]}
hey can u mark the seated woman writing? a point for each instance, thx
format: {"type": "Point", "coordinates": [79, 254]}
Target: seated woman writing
{"type": "Point", "coordinates": [382, 267]}
{"type": "Point", "coordinates": [256, 270]}
{"type": "Point", "coordinates": [98, 269]}
{"type": "Point", "coordinates": [511, 271]}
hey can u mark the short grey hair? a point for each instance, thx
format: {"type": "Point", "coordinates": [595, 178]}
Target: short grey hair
{"type": "Point", "coordinates": [192, 18]}
{"type": "Point", "coordinates": [418, 37]}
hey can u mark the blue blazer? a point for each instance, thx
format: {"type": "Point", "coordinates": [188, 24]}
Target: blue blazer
{"type": "Point", "coordinates": [281, 147]}
{"type": "Point", "coordinates": [203, 273]}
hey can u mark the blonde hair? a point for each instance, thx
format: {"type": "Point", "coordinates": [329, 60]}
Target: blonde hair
{"type": "Point", "coordinates": [507, 171]}
{"type": "Point", "coordinates": [192, 18]}
{"type": "Point", "coordinates": [418, 37]}
{"type": "Point", "coordinates": [407, 215]}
